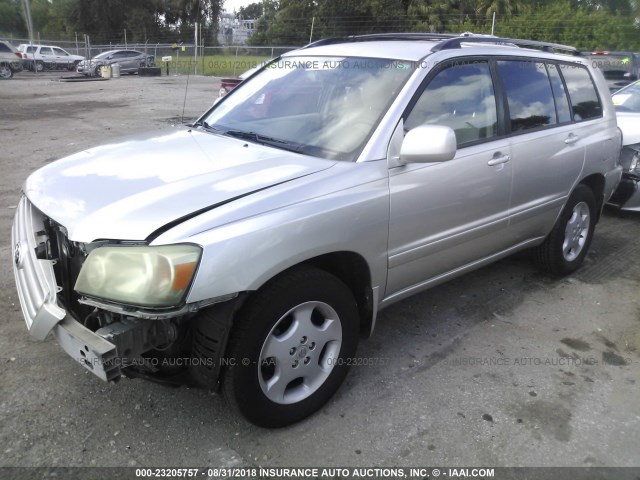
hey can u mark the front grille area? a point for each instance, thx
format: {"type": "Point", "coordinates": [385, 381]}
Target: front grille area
{"type": "Point", "coordinates": [35, 278]}
{"type": "Point", "coordinates": [68, 259]}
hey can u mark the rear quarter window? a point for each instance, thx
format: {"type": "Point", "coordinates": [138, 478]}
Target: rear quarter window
{"type": "Point", "coordinates": [585, 102]}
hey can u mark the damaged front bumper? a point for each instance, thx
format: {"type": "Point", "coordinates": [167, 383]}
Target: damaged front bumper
{"type": "Point", "coordinates": [37, 291]}
{"type": "Point", "coordinates": [627, 194]}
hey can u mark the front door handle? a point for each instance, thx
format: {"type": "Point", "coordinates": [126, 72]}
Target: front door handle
{"type": "Point", "coordinates": [571, 139]}
{"type": "Point", "coordinates": [498, 160]}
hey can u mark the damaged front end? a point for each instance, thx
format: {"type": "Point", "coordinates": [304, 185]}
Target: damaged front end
{"type": "Point", "coordinates": [79, 292]}
{"type": "Point", "coordinates": [627, 195]}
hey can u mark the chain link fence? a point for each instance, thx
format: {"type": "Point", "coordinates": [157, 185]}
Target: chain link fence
{"type": "Point", "coordinates": [186, 59]}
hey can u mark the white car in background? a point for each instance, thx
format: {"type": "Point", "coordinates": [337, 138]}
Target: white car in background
{"type": "Point", "coordinates": [627, 104]}
{"type": "Point", "coordinates": [49, 57]}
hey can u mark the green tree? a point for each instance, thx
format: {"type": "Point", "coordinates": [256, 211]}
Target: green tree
{"type": "Point", "coordinates": [11, 18]}
{"type": "Point", "coordinates": [252, 11]}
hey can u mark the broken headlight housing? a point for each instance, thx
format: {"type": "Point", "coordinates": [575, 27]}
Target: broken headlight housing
{"type": "Point", "coordinates": [630, 159]}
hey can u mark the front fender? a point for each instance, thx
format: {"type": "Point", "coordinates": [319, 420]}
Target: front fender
{"type": "Point", "coordinates": [342, 210]}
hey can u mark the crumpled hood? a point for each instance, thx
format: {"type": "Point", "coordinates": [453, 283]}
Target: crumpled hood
{"type": "Point", "coordinates": [130, 189]}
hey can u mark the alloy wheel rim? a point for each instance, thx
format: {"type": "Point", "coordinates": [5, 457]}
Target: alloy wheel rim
{"type": "Point", "coordinates": [576, 231]}
{"type": "Point", "coordinates": [300, 352]}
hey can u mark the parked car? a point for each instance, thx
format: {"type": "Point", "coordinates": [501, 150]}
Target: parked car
{"type": "Point", "coordinates": [619, 68]}
{"type": "Point", "coordinates": [253, 247]}
{"type": "Point", "coordinates": [129, 60]}
{"type": "Point", "coordinates": [627, 105]}
{"type": "Point", "coordinates": [229, 83]}
{"type": "Point", "coordinates": [49, 57]}
{"type": "Point", "coordinates": [10, 60]}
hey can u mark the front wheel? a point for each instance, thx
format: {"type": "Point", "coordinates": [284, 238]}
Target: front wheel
{"type": "Point", "coordinates": [290, 348]}
{"type": "Point", "coordinates": [568, 243]}
{"type": "Point", "coordinates": [5, 72]}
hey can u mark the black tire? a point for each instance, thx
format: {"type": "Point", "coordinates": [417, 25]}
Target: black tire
{"type": "Point", "coordinates": [560, 258]}
{"type": "Point", "coordinates": [304, 289]}
{"type": "Point", "coordinates": [6, 72]}
{"type": "Point", "coordinates": [39, 66]}
{"type": "Point", "coordinates": [72, 66]}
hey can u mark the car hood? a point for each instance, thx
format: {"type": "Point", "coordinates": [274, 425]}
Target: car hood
{"type": "Point", "coordinates": [629, 123]}
{"type": "Point", "coordinates": [137, 187]}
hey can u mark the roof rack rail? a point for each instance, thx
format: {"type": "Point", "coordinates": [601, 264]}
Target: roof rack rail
{"type": "Point", "coordinates": [382, 36]}
{"type": "Point", "coordinates": [449, 41]}
{"type": "Point", "coordinates": [457, 42]}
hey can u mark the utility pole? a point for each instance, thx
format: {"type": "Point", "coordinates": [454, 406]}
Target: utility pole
{"type": "Point", "coordinates": [195, 50]}
{"type": "Point", "coordinates": [313, 20]}
{"type": "Point", "coordinates": [27, 13]}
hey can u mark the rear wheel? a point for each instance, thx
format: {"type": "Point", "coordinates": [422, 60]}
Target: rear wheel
{"type": "Point", "coordinates": [39, 66]}
{"type": "Point", "coordinates": [568, 243]}
{"type": "Point", "coordinates": [290, 347]}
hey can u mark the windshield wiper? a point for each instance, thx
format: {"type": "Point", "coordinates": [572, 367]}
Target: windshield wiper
{"type": "Point", "coordinates": [264, 140]}
{"type": "Point", "coordinates": [206, 126]}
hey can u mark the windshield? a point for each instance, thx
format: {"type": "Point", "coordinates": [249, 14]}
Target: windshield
{"type": "Point", "coordinates": [628, 100]}
{"type": "Point", "coordinates": [614, 67]}
{"type": "Point", "coordinates": [320, 106]}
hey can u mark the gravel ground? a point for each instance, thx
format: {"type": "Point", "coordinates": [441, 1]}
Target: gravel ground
{"type": "Point", "coordinates": [503, 367]}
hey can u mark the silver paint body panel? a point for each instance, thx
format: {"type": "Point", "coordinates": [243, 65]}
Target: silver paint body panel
{"type": "Point", "coordinates": [257, 210]}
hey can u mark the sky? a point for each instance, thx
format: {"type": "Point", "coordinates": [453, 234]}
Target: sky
{"type": "Point", "coordinates": [231, 5]}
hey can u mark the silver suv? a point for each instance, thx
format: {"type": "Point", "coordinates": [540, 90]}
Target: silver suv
{"type": "Point", "coordinates": [250, 250]}
{"type": "Point", "coordinates": [50, 57]}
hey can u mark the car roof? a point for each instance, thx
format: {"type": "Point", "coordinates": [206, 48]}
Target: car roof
{"type": "Point", "coordinates": [34, 45]}
{"type": "Point", "coordinates": [414, 47]}
{"type": "Point", "coordinates": [118, 50]}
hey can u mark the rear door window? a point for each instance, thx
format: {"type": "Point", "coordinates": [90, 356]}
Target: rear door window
{"type": "Point", "coordinates": [585, 102]}
{"type": "Point", "coordinates": [529, 95]}
{"type": "Point", "coordinates": [46, 51]}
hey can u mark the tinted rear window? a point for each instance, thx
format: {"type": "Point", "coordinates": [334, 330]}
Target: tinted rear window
{"type": "Point", "coordinates": [582, 92]}
{"type": "Point", "coordinates": [4, 48]}
{"type": "Point", "coordinates": [529, 94]}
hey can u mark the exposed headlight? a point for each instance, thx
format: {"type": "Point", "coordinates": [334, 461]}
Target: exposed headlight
{"type": "Point", "coordinates": [635, 163]}
{"type": "Point", "coordinates": [630, 159]}
{"type": "Point", "coordinates": [145, 276]}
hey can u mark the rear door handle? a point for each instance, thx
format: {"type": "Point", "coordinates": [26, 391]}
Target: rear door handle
{"type": "Point", "coordinates": [571, 139]}
{"type": "Point", "coordinates": [498, 160]}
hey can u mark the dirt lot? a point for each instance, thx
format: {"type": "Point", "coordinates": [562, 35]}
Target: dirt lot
{"type": "Point", "coordinates": [505, 366]}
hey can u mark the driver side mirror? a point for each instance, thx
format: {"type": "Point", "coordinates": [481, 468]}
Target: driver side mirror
{"type": "Point", "coordinates": [428, 144]}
